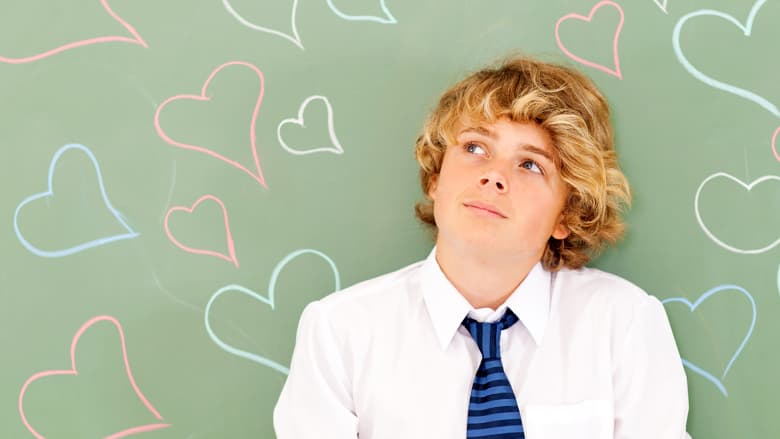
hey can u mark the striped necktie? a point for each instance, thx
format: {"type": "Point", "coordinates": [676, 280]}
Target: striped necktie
{"type": "Point", "coordinates": [493, 412]}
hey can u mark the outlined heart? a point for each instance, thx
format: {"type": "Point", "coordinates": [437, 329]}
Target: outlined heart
{"type": "Point", "coordinates": [73, 371]}
{"type": "Point", "coordinates": [710, 234]}
{"type": "Point", "coordinates": [334, 141]}
{"type": "Point", "coordinates": [136, 39]}
{"type": "Point", "coordinates": [257, 174]}
{"type": "Point", "coordinates": [130, 233]}
{"type": "Point", "coordinates": [269, 300]}
{"type": "Point", "coordinates": [386, 19]}
{"type": "Point", "coordinates": [294, 38]}
{"type": "Point", "coordinates": [746, 29]}
{"type": "Point", "coordinates": [774, 144]}
{"type": "Point", "coordinates": [718, 381]}
{"type": "Point", "coordinates": [230, 257]}
{"type": "Point", "coordinates": [616, 58]}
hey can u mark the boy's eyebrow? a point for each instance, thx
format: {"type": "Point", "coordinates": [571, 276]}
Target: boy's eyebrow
{"type": "Point", "coordinates": [528, 147]}
{"type": "Point", "coordinates": [479, 130]}
{"type": "Point", "coordinates": [541, 151]}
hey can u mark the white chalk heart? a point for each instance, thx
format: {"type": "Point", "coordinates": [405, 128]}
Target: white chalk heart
{"type": "Point", "coordinates": [334, 147]}
{"type": "Point", "coordinates": [269, 300]}
{"type": "Point", "coordinates": [748, 187]}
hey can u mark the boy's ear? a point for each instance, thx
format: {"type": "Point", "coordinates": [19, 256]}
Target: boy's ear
{"type": "Point", "coordinates": [561, 230]}
{"type": "Point", "coordinates": [433, 182]}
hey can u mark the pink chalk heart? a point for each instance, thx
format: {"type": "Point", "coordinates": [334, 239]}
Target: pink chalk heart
{"type": "Point", "coordinates": [136, 39]}
{"type": "Point", "coordinates": [73, 371]}
{"type": "Point", "coordinates": [256, 173]}
{"type": "Point", "coordinates": [612, 71]}
{"type": "Point", "coordinates": [230, 257]}
{"type": "Point", "coordinates": [774, 144]}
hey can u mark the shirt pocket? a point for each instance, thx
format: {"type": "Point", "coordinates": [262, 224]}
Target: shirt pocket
{"type": "Point", "coordinates": [590, 419]}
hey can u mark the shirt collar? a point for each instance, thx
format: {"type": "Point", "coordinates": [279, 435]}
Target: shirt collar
{"type": "Point", "coordinates": [447, 307]}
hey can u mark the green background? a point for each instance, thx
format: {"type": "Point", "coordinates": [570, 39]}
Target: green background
{"type": "Point", "coordinates": [673, 132]}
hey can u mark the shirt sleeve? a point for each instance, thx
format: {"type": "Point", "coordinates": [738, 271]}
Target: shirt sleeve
{"type": "Point", "coordinates": [315, 402]}
{"type": "Point", "coordinates": [651, 390]}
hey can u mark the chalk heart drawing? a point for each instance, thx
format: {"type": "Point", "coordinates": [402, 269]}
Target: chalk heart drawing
{"type": "Point", "coordinates": [662, 4]}
{"type": "Point", "coordinates": [714, 293]}
{"type": "Point", "coordinates": [387, 18]}
{"type": "Point", "coordinates": [334, 147]}
{"type": "Point", "coordinates": [746, 29]}
{"type": "Point", "coordinates": [293, 37]}
{"type": "Point", "coordinates": [774, 144]}
{"type": "Point", "coordinates": [747, 187]}
{"type": "Point", "coordinates": [42, 196]}
{"type": "Point", "coordinates": [230, 257]}
{"type": "Point", "coordinates": [614, 71]}
{"type": "Point", "coordinates": [269, 300]}
{"type": "Point", "coordinates": [73, 371]}
{"type": "Point", "coordinates": [256, 173]}
{"type": "Point", "coordinates": [135, 39]}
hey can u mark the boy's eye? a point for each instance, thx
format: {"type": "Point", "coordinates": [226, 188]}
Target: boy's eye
{"type": "Point", "coordinates": [474, 148]}
{"type": "Point", "coordinates": [531, 166]}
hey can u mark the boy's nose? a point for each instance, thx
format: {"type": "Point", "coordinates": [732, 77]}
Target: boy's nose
{"type": "Point", "coordinates": [493, 179]}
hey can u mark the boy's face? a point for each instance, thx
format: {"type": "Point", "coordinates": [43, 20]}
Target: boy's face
{"type": "Point", "coordinates": [499, 191]}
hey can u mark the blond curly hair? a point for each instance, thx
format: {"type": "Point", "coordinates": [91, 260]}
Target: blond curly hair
{"type": "Point", "coordinates": [569, 107]}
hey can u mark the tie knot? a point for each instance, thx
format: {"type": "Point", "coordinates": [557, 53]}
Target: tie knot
{"type": "Point", "coordinates": [488, 335]}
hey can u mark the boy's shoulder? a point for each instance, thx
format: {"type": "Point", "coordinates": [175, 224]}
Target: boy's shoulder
{"type": "Point", "coordinates": [356, 311]}
{"type": "Point", "coordinates": [597, 281]}
{"type": "Point", "coordinates": [375, 291]}
{"type": "Point", "coordinates": [599, 290]}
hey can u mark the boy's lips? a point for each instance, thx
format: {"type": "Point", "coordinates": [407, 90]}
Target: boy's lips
{"type": "Point", "coordinates": [486, 207]}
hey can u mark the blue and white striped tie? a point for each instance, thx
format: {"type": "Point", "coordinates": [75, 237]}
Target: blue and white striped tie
{"type": "Point", "coordinates": [493, 412]}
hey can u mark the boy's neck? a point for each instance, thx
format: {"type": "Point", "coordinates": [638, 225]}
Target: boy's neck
{"type": "Point", "coordinates": [484, 279]}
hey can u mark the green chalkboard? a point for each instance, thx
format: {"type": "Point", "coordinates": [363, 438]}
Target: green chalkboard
{"type": "Point", "coordinates": [180, 178]}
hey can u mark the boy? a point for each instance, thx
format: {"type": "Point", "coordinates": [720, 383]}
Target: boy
{"type": "Point", "coordinates": [500, 332]}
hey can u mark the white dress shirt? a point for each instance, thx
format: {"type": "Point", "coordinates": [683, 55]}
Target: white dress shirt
{"type": "Point", "coordinates": [592, 357]}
